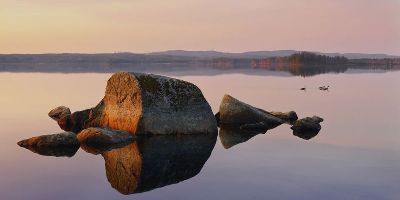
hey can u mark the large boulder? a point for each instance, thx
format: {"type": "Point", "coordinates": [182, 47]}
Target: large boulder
{"type": "Point", "coordinates": [61, 144]}
{"type": "Point", "coordinates": [103, 137]}
{"type": "Point", "coordinates": [307, 128]}
{"type": "Point", "coordinates": [235, 112]}
{"type": "Point", "coordinates": [146, 104]}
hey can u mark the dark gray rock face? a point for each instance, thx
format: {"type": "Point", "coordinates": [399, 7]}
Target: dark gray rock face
{"type": "Point", "coordinates": [307, 128]}
{"type": "Point", "coordinates": [286, 116]}
{"type": "Point", "coordinates": [62, 144]}
{"type": "Point", "coordinates": [156, 161]}
{"type": "Point", "coordinates": [146, 104]}
{"type": "Point", "coordinates": [235, 112]}
{"type": "Point", "coordinates": [103, 137]}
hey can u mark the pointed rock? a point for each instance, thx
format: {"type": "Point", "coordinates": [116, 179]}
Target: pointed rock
{"type": "Point", "coordinates": [235, 112]}
{"type": "Point", "coordinates": [61, 144]}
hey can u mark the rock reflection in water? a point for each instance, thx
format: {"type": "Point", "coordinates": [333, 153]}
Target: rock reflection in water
{"type": "Point", "coordinates": [233, 135]}
{"type": "Point", "coordinates": [157, 161]}
{"type": "Point", "coordinates": [54, 151]}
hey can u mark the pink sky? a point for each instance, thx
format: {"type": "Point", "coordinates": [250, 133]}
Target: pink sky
{"type": "Point", "coordinates": [42, 26]}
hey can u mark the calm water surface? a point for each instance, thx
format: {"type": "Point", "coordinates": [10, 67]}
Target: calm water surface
{"type": "Point", "coordinates": [355, 156]}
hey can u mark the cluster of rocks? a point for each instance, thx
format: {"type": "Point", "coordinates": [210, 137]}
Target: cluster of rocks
{"type": "Point", "coordinates": [143, 104]}
{"type": "Point", "coordinates": [239, 117]}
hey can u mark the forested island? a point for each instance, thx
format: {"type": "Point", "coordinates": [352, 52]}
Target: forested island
{"type": "Point", "coordinates": [297, 63]}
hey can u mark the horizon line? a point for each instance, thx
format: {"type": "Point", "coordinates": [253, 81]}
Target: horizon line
{"type": "Point", "coordinates": [228, 52]}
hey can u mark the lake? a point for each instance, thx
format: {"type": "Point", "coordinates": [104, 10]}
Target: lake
{"type": "Point", "coordinates": [356, 155]}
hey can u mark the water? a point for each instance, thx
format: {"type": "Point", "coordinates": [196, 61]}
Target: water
{"type": "Point", "coordinates": [355, 156]}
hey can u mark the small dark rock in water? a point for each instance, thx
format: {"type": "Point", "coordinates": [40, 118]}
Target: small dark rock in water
{"type": "Point", "coordinates": [307, 128]}
{"type": "Point", "coordinates": [62, 144]}
{"type": "Point", "coordinates": [288, 116]}
{"type": "Point", "coordinates": [103, 137]}
{"type": "Point", "coordinates": [235, 112]}
{"type": "Point", "coordinates": [59, 112]}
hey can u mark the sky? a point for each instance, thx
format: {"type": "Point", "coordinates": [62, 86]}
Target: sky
{"type": "Point", "coordinates": [97, 26]}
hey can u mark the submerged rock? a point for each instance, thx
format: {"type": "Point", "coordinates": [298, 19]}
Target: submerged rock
{"type": "Point", "coordinates": [146, 104]}
{"type": "Point", "coordinates": [157, 161]}
{"type": "Point", "coordinates": [235, 112]}
{"type": "Point", "coordinates": [307, 128]}
{"type": "Point", "coordinates": [103, 137]}
{"type": "Point", "coordinates": [286, 116]}
{"type": "Point", "coordinates": [62, 144]}
{"type": "Point", "coordinates": [233, 135]}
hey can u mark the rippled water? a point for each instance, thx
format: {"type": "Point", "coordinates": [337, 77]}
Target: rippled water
{"type": "Point", "coordinates": [355, 156]}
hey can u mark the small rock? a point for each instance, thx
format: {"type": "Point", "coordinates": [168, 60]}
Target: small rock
{"type": "Point", "coordinates": [59, 112]}
{"type": "Point", "coordinates": [64, 139]}
{"type": "Point", "coordinates": [307, 128]}
{"type": "Point", "coordinates": [103, 136]}
{"type": "Point", "coordinates": [62, 144]}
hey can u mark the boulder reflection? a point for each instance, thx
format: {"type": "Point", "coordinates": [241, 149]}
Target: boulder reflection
{"type": "Point", "coordinates": [233, 135]}
{"type": "Point", "coordinates": [157, 161]}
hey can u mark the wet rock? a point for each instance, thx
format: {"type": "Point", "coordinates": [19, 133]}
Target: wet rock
{"type": "Point", "coordinates": [157, 161]}
{"type": "Point", "coordinates": [235, 112]}
{"type": "Point", "coordinates": [103, 137]}
{"type": "Point", "coordinates": [307, 128]}
{"type": "Point", "coordinates": [146, 104]}
{"type": "Point", "coordinates": [59, 112]}
{"type": "Point", "coordinates": [286, 116]}
{"type": "Point", "coordinates": [233, 135]}
{"type": "Point", "coordinates": [62, 144]}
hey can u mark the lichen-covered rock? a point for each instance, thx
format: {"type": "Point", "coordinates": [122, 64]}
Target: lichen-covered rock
{"type": "Point", "coordinates": [235, 112]}
{"type": "Point", "coordinates": [146, 104]}
{"type": "Point", "coordinates": [157, 161]}
{"type": "Point", "coordinates": [286, 116]}
{"type": "Point", "coordinates": [103, 137]}
{"type": "Point", "coordinates": [61, 144]}
{"type": "Point", "coordinates": [59, 112]}
{"type": "Point", "coordinates": [307, 128]}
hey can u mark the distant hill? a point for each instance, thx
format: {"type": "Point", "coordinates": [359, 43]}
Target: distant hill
{"type": "Point", "coordinates": [263, 54]}
{"type": "Point", "coordinates": [217, 54]}
{"type": "Point", "coordinates": [295, 62]}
